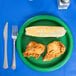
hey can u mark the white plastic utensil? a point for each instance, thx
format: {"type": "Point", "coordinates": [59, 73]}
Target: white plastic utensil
{"type": "Point", "coordinates": [14, 37]}
{"type": "Point", "coordinates": [5, 34]}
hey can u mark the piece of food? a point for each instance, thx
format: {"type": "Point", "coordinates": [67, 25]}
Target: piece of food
{"type": "Point", "coordinates": [34, 49]}
{"type": "Point", "coordinates": [54, 49]}
{"type": "Point", "coordinates": [45, 31]}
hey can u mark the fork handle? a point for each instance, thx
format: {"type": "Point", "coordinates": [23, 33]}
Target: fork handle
{"type": "Point", "coordinates": [13, 60]}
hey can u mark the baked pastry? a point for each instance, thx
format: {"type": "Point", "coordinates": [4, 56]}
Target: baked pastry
{"type": "Point", "coordinates": [54, 49]}
{"type": "Point", "coordinates": [34, 49]}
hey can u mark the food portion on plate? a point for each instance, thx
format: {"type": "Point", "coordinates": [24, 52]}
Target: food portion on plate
{"type": "Point", "coordinates": [54, 49]}
{"type": "Point", "coordinates": [45, 31]}
{"type": "Point", "coordinates": [34, 49]}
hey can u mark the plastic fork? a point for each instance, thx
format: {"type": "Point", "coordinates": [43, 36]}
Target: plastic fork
{"type": "Point", "coordinates": [14, 37]}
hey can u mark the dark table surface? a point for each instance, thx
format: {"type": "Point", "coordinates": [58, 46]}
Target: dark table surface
{"type": "Point", "coordinates": [16, 12]}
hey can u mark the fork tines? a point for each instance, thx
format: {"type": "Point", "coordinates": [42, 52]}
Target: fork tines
{"type": "Point", "coordinates": [14, 30]}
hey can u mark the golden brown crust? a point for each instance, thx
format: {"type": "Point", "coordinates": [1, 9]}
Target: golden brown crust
{"type": "Point", "coordinates": [34, 49]}
{"type": "Point", "coordinates": [54, 49]}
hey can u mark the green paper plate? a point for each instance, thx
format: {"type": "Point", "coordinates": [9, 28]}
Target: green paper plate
{"type": "Point", "coordinates": [23, 40]}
